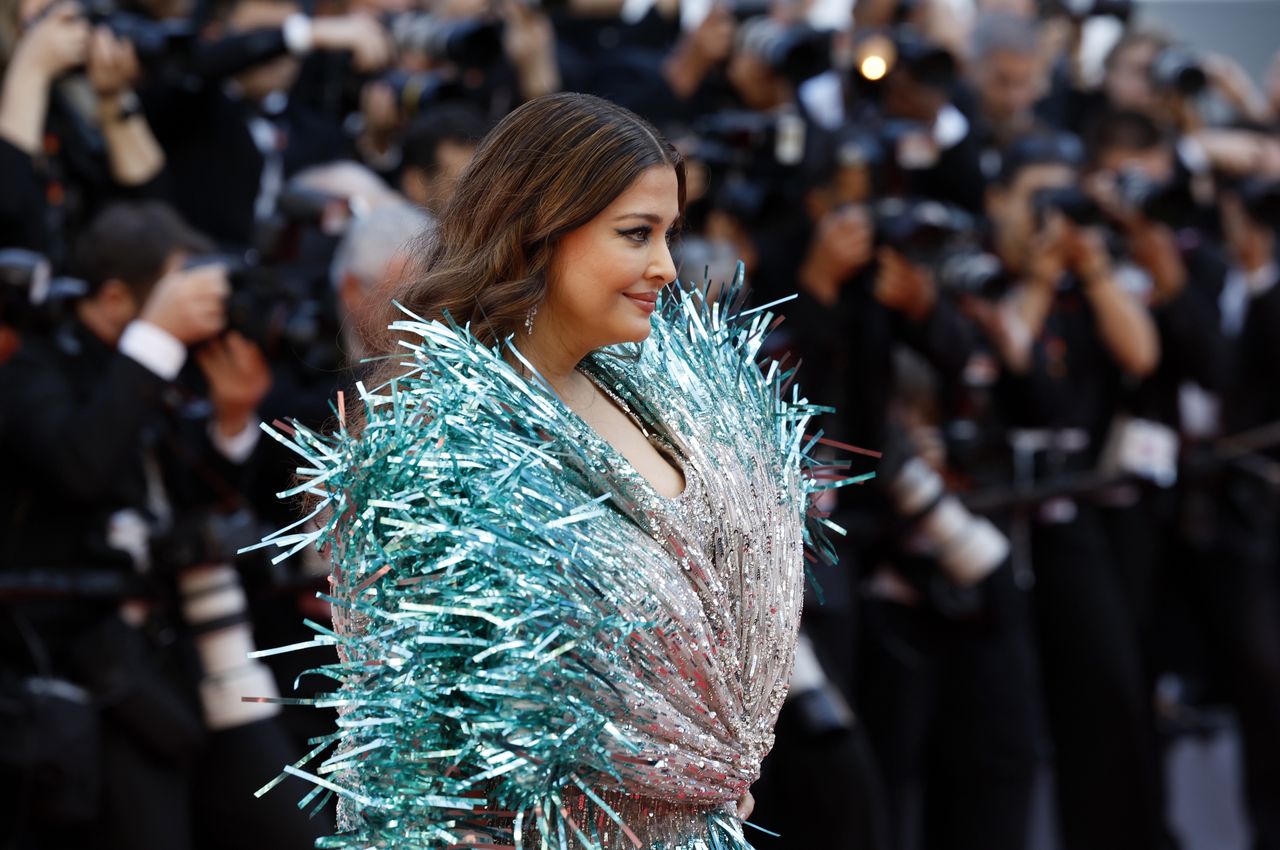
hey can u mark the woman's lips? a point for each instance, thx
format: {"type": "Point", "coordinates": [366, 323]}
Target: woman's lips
{"type": "Point", "coordinates": [647, 302]}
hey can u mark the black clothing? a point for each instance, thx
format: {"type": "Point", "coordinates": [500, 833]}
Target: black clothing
{"type": "Point", "coordinates": [89, 415]}
{"type": "Point", "coordinates": [1094, 681]}
{"type": "Point", "coordinates": [847, 354]}
{"type": "Point", "coordinates": [954, 715]}
{"type": "Point", "coordinates": [48, 198]}
{"type": "Point", "coordinates": [215, 165]}
{"type": "Point", "coordinates": [1072, 382]}
{"type": "Point", "coordinates": [1243, 604]}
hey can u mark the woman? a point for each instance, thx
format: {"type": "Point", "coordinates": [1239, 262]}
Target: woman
{"type": "Point", "coordinates": [567, 523]}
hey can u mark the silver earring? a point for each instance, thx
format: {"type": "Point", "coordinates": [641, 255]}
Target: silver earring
{"type": "Point", "coordinates": [528, 319]}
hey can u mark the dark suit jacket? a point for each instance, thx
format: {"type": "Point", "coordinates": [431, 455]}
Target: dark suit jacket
{"type": "Point", "coordinates": [80, 418]}
{"type": "Point", "coordinates": [215, 168]}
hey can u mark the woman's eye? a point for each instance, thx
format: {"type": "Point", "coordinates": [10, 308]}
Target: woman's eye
{"type": "Point", "coordinates": [639, 234]}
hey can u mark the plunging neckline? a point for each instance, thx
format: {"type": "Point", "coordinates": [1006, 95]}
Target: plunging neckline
{"type": "Point", "coordinates": [652, 432]}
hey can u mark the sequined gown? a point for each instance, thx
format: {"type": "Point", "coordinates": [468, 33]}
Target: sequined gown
{"type": "Point", "coordinates": [535, 644]}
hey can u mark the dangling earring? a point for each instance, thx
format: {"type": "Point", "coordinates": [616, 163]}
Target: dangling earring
{"type": "Point", "coordinates": [528, 319]}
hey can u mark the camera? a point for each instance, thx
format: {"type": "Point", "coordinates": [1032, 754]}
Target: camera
{"type": "Point", "coordinates": [272, 309]}
{"type": "Point", "coordinates": [877, 55]}
{"type": "Point", "coordinates": [280, 294]}
{"type": "Point", "coordinates": [795, 51]}
{"type": "Point", "coordinates": [1170, 203]}
{"type": "Point", "coordinates": [162, 47]}
{"type": "Point", "coordinates": [1261, 199]}
{"type": "Point", "coordinates": [1078, 208]}
{"type": "Point", "coordinates": [205, 537]}
{"type": "Point", "coordinates": [1081, 9]}
{"type": "Point", "coordinates": [752, 159]}
{"type": "Point", "coordinates": [416, 92]}
{"type": "Point", "coordinates": [1176, 68]}
{"type": "Point", "coordinates": [466, 42]}
{"type": "Point", "coordinates": [969, 270]}
{"type": "Point", "coordinates": [921, 230]}
{"type": "Point", "coordinates": [31, 298]}
{"type": "Point", "coordinates": [969, 548]}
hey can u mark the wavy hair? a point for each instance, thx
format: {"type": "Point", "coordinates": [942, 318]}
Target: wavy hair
{"type": "Point", "coordinates": [547, 168]}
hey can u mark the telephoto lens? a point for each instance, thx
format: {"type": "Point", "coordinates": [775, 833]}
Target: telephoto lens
{"type": "Point", "coordinates": [1176, 68]}
{"type": "Point", "coordinates": [216, 610]}
{"type": "Point", "coordinates": [969, 548]}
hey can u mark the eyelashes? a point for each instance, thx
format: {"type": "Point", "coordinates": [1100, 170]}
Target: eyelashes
{"type": "Point", "coordinates": [640, 235]}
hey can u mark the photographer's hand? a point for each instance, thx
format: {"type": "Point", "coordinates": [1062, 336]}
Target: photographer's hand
{"type": "Point", "coordinates": [1085, 249]}
{"type": "Point", "coordinates": [239, 378]}
{"type": "Point", "coordinates": [53, 45]}
{"type": "Point", "coordinates": [1154, 247]}
{"type": "Point", "coordinates": [1233, 82]}
{"type": "Point", "coordinates": [843, 244]}
{"type": "Point", "coordinates": [529, 41]}
{"type": "Point", "coordinates": [367, 40]}
{"type": "Point", "coordinates": [698, 52]}
{"type": "Point", "coordinates": [1017, 322]}
{"type": "Point", "coordinates": [56, 42]}
{"type": "Point", "coordinates": [190, 304]}
{"type": "Point", "coordinates": [112, 64]}
{"type": "Point", "coordinates": [1125, 326]}
{"type": "Point", "coordinates": [132, 151]}
{"type": "Point", "coordinates": [903, 286]}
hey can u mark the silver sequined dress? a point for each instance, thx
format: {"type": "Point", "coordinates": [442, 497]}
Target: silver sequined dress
{"type": "Point", "coordinates": [745, 570]}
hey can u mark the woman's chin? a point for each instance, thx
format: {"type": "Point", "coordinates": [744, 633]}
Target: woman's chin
{"type": "Point", "coordinates": [631, 332]}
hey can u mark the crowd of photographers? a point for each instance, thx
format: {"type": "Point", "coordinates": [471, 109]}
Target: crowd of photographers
{"type": "Point", "coordinates": [1040, 289]}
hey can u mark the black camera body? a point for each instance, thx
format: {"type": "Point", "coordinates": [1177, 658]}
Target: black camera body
{"type": "Point", "coordinates": [753, 159]}
{"type": "Point", "coordinates": [922, 230]}
{"type": "Point", "coordinates": [31, 298]}
{"type": "Point", "coordinates": [1177, 68]}
{"type": "Point", "coordinates": [880, 53]}
{"type": "Point", "coordinates": [1081, 9]}
{"type": "Point", "coordinates": [466, 42]}
{"type": "Point", "coordinates": [1170, 203]}
{"type": "Point", "coordinates": [163, 48]}
{"type": "Point", "coordinates": [417, 91]}
{"type": "Point", "coordinates": [968, 270]}
{"type": "Point", "coordinates": [1076, 206]}
{"type": "Point", "coordinates": [794, 51]}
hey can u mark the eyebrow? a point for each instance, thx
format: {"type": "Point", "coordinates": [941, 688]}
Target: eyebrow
{"type": "Point", "coordinates": [650, 217]}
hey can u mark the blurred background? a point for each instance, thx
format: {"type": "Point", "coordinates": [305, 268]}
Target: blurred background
{"type": "Point", "coordinates": [1032, 245]}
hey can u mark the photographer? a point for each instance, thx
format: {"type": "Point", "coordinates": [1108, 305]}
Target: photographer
{"type": "Point", "coordinates": [953, 720]}
{"type": "Point", "coordinates": [1070, 339]}
{"type": "Point", "coordinates": [1239, 590]}
{"type": "Point", "coordinates": [464, 55]}
{"type": "Point", "coordinates": [437, 147]}
{"type": "Point", "coordinates": [58, 166]}
{"type": "Point", "coordinates": [109, 455]}
{"type": "Point", "coordinates": [905, 86]}
{"type": "Point", "coordinates": [232, 143]}
{"type": "Point", "coordinates": [1009, 77]}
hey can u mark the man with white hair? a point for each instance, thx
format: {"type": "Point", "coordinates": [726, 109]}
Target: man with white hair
{"type": "Point", "coordinates": [373, 253]}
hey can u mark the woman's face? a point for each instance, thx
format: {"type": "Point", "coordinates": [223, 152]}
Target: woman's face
{"type": "Point", "coordinates": [605, 275]}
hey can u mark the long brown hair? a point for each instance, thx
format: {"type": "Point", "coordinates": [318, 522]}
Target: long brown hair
{"type": "Point", "coordinates": [546, 169]}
